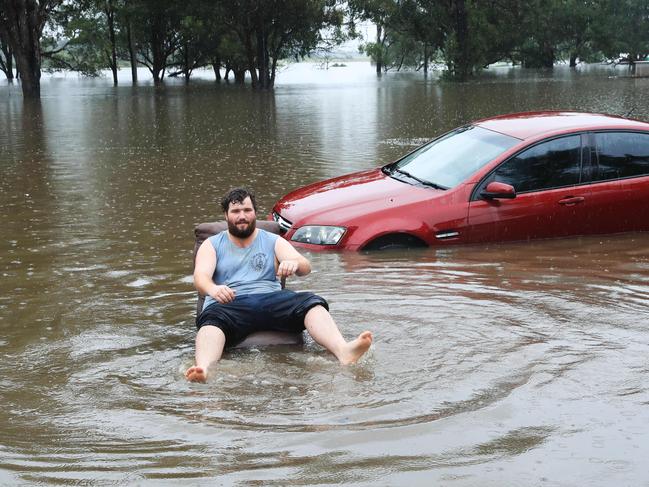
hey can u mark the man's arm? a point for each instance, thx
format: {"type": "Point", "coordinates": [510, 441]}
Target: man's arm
{"type": "Point", "coordinates": [289, 261]}
{"type": "Point", "coordinates": [204, 270]}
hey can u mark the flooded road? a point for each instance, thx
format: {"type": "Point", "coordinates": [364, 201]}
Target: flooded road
{"type": "Point", "coordinates": [516, 364]}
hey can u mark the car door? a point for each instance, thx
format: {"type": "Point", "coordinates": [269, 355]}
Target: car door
{"type": "Point", "coordinates": [620, 181]}
{"type": "Point", "coordinates": [550, 197]}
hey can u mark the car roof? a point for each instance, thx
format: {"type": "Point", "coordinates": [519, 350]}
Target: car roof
{"type": "Point", "coordinates": [534, 124]}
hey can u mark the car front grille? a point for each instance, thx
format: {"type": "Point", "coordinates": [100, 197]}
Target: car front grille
{"type": "Point", "coordinates": [284, 224]}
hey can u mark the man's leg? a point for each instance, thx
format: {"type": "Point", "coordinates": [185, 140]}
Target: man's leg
{"type": "Point", "coordinates": [210, 342]}
{"type": "Point", "coordinates": [322, 328]}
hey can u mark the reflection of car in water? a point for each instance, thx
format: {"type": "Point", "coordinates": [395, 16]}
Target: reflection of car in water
{"type": "Point", "coordinates": [513, 177]}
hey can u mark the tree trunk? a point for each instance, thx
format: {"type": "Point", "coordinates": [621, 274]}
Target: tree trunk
{"type": "Point", "coordinates": [131, 51]}
{"type": "Point", "coordinates": [273, 70]}
{"type": "Point", "coordinates": [547, 58]}
{"type": "Point", "coordinates": [250, 54]}
{"type": "Point", "coordinates": [425, 60]}
{"type": "Point", "coordinates": [159, 59]}
{"type": "Point", "coordinates": [239, 76]}
{"type": "Point", "coordinates": [110, 15]}
{"type": "Point", "coordinates": [462, 62]}
{"type": "Point", "coordinates": [379, 58]}
{"type": "Point", "coordinates": [23, 28]}
{"type": "Point", "coordinates": [216, 66]}
{"type": "Point", "coordinates": [28, 65]}
{"type": "Point", "coordinates": [186, 67]}
{"type": "Point", "coordinates": [8, 64]}
{"type": "Point", "coordinates": [263, 61]}
{"type": "Point", "coordinates": [573, 60]}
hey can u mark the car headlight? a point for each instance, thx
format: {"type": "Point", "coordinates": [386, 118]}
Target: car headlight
{"type": "Point", "coordinates": [318, 234]}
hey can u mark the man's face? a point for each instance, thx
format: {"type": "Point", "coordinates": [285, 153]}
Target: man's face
{"type": "Point", "coordinates": [241, 218]}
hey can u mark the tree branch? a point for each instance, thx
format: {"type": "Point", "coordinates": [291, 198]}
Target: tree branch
{"type": "Point", "coordinates": [49, 54]}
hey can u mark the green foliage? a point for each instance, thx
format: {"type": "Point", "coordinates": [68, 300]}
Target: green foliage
{"type": "Point", "coordinates": [376, 51]}
{"type": "Point", "coordinates": [270, 30]}
{"type": "Point", "coordinates": [622, 31]}
{"type": "Point", "coordinates": [471, 34]}
{"type": "Point", "coordinates": [253, 35]}
{"type": "Point", "coordinates": [77, 39]}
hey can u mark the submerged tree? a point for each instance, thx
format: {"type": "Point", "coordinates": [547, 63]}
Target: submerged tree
{"type": "Point", "coordinates": [6, 56]}
{"type": "Point", "coordinates": [234, 57]}
{"type": "Point", "coordinates": [87, 37]}
{"type": "Point", "coordinates": [479, 33]}
{"type": "Point", "coordinates": [200, 31]}
{"type": "Point", "coordinates": [156, 33]}
{"type": "Point", "coordinates": [178, 36]}
{"type": "Point", "coordinates": [622, 31]}
{"type": "Point", "coordinates": [383, 14]}
{"type": "Point", "coordinates": [581, 19]}
{"type": "Point", "coordinates": [421, 21]}
{"type": "Point", "coordinates": [270, 30]}
{"type": "Point", "coordinates": [22, 23]}
{"type": "Point", "coordinates": [466, 34]}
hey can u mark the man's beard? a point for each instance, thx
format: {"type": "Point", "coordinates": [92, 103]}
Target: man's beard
{"type": "Point", "coordinates": [245, 233]}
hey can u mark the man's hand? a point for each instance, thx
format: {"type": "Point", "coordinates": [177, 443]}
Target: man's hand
{"type": "Point", "coordinates": [289, 261]}
{"type": "Point", "coordinates": [223, 294]}
{"type": "Point", "coordinates": [287, 268]}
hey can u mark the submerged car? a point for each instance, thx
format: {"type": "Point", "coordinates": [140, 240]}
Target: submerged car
{"type": "Point", "coordinates": [507, 178]}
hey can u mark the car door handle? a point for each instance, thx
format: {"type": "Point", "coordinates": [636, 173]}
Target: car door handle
{"type": "Point", "coordinates": [571, 200]}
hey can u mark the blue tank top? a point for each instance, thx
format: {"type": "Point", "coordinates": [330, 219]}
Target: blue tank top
{"type": "Point", "coordinates": [249, 270]}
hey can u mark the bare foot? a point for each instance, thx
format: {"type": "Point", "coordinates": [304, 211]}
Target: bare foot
{"type": "Point", "coordinates": [356, 348]}
{"type": "Point", "coordinates": [196, 374]}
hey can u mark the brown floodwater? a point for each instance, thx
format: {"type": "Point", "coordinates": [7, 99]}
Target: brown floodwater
{"type": "Point", "coordinates": [495, 365]}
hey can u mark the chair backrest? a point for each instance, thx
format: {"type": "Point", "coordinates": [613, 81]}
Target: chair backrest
{"type": "Point", "coordinates": [204, 231]}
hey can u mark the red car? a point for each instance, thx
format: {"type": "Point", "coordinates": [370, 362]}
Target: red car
{"type": "Point", "coordinates": [512, 177]}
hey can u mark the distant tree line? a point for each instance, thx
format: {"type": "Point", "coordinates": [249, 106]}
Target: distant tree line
{"type": "Point", "coordinates": [169, 37]}
{"type": "Point", "coordinates": [468, 35]}
{"type": "Point", "coordinates": [175, 37]}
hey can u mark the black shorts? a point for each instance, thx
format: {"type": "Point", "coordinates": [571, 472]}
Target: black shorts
{"type": "Point", "coordinates": [277, 311]}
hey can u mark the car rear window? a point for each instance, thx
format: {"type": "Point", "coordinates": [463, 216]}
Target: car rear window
{"type": "Point", "coordinates": [450, 159]}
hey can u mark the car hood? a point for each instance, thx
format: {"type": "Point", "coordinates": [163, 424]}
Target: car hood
{"type": "Point", "coordinates": [339, 200]}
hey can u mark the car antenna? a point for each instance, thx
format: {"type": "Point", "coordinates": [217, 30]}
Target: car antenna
{"type": "Point", "coordinates": [626, 115]}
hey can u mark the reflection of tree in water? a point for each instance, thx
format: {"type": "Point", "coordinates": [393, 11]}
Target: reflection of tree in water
{"type": "Point", "coordinates": [621, 155]}
{"type": "Point", "coordinates": [550, 165]}
{"type": "Point", "coordinates": [31, 177]}
{"type": "Point", "coordinates": [28, 214]}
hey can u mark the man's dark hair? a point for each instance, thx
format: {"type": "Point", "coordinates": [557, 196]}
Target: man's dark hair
{"type": "Point", "coordinates": [237, 195]}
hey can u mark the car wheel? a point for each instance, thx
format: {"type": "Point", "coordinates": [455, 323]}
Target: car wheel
{"type": "Point", "coordinates": [395, 241]}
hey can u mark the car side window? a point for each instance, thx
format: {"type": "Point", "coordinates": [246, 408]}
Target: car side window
{"type": "Point", "coordinates": [552, 164]}
{"type": "Point", "coordinates": [620, 155]}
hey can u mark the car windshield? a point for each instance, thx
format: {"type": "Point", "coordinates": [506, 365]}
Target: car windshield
{"type": "Point", "coordinates": [450, 159]}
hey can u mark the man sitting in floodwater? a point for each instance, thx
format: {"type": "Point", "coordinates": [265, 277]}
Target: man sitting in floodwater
{"type": "Point", "coordinates": [244, 295]}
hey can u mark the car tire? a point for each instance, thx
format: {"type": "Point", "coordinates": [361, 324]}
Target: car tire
{"type": "Point", "coordinates": [395, 241]}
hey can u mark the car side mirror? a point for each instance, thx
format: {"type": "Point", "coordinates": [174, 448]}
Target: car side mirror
{"type": "Point", "coordinates": [496, 190]}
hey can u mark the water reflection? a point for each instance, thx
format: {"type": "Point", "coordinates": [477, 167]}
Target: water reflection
{"type": "Point", "coordinates": [499, 364]}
